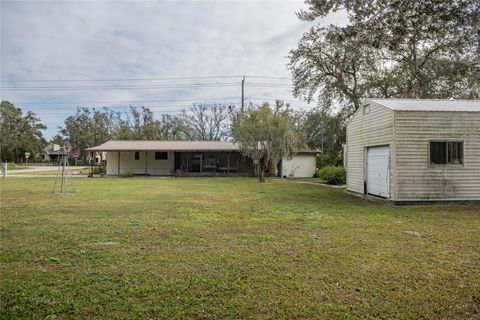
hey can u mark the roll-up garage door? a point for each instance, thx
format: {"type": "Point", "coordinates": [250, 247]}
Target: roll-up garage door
{"type": "Point", "coordinates": [378, 171]}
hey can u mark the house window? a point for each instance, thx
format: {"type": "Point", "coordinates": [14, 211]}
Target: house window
{"type": "Point", "coordinates": [137, 155]}
{"type": "Point", "coordinates": [446, 152]}
{"type": "Point", "coordinates": [161, 155]}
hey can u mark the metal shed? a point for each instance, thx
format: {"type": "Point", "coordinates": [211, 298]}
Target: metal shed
{"type": "Point", "coordinates": [410, 150]}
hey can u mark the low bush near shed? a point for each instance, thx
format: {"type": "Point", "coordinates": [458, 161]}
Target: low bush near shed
{"type": "Point", "coordinates": [333, 175]}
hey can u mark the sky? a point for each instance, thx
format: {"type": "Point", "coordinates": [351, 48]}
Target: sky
{"type": "Point", "coordinates": [165, 55]}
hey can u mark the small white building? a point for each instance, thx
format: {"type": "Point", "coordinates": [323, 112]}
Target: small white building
{"type": "Point", "coordinates": [415, 150]}
{"type": "Point", "coordinates": [301, 165]}
{"type": "Point", "coordinates": [192, 158]}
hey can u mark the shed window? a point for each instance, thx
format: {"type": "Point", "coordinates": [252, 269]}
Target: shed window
{"type": "Point", "coordinates": [446, 152]}
{"type": "Point", "coordinates": [161, 155]}
{"type": "Point", "coordinates": [137, 155]}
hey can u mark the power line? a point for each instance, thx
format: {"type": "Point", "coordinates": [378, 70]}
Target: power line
{"type": "Point", "coordinates": [119, 79]}
{"type": "Point", "coordinates": [117, 107]}
{"type": "Point", "coordinates": [260, 84]}
{"type": "Point", "coordinates": [145, 79]}
{"type": "Point", "coordinates": [267, 77]}
{"type": "Point", "coordinates": [132, 101]}
{"type": "Point", "coordinates": [214, 100]}
{"type": "Point", "coordinates": [158, 86]}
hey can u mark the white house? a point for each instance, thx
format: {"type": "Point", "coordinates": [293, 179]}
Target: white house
{"type": "Point", "coordinates": [192, 158]}
{"type": "Point", "coordinates": [415, 150]}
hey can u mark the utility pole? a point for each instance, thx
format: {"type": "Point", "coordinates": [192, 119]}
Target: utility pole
{"type": "Point", "coordinates": [243, 93]}
{"type": "Point", "coordinates": [322, 145]}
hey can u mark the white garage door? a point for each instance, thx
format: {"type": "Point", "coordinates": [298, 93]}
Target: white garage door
{"type": "Point", "coordinates": [377, 171]}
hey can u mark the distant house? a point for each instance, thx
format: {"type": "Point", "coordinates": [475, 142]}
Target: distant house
{"type": "Point", "coordinates": [415, 150]}
{"type": "Point", "coordinates": [52, 152]}
{"type": "Point", "coordinates": [192, 158]}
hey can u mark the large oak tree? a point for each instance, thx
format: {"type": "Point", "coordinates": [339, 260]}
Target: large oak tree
{"type": "Point", "coordinates": [389, 48]}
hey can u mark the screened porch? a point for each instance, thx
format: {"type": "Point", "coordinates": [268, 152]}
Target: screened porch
{"type": "Point", "coordinates": [212, 164]}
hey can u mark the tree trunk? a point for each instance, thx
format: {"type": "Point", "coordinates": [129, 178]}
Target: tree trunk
{"type": "Point", "coordinates": [263, 166]}
{"type": "Point", "coordinates": [272, 167]}
{"type": "Point", "coordinates": [262, 175]}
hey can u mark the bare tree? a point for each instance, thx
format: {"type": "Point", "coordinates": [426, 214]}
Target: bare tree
{"type": "Point", "coordinates": [207, 122]}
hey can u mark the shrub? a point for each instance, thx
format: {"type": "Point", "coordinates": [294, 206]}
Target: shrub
{"type": "Point", "coordinates": [127, 174]}
{"type": "Point", "coordinates": [14, 166]}
{"type": "Point", "coordinates": [333, 175]}
{"type": "Point", "coordinates": [100, 169]}
{"type": "Point", "coordinates": [11, 166]}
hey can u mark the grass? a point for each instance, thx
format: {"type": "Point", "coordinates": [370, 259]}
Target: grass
{"type": "Point", "coordinates": [217, 248]}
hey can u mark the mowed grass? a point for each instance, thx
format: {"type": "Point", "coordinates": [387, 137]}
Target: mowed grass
{"type": "Point", "coordinates": [217, 248]}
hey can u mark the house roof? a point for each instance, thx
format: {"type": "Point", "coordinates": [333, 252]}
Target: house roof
{"type": "Point", "coordinates": [428, 104]}
{"type": "Point", "coordinates": [146, 145]}
{"type": "Point", "coordinates": [168, 145]}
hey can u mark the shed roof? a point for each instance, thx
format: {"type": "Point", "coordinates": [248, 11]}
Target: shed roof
{"type": "Point", "coordinates": [145, 145]}
{"type": "Point", "coordinates": [428, 104]}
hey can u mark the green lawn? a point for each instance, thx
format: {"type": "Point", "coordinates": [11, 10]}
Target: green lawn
{"type": "Point", "coordinates": [217, 248]}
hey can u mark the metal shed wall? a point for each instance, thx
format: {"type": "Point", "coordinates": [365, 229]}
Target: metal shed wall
{"type": "Point", "coordinates": [373, 128]}
{"type": "Point", "coordinates": [415, 178]}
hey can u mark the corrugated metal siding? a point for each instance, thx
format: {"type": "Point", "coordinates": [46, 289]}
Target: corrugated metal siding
{"type": "Point", "coordinates": [363, 130]}
{"type": "Point", "coordinates": [415, 178]}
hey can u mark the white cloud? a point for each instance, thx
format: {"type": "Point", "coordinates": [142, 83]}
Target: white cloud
{"type": "Point", "coordinates": [112, 40]}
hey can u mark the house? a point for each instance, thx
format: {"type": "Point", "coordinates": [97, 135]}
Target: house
{"type": "Point", "coordinates": [192, 158]}
{"type": "Point", "coordinates": [415, 150]}
{"type": "Point", "coordinates": [52, 152]}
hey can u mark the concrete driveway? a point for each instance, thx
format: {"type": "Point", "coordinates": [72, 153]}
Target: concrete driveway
{"type": "Point", "coordinates": [40, 169]}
